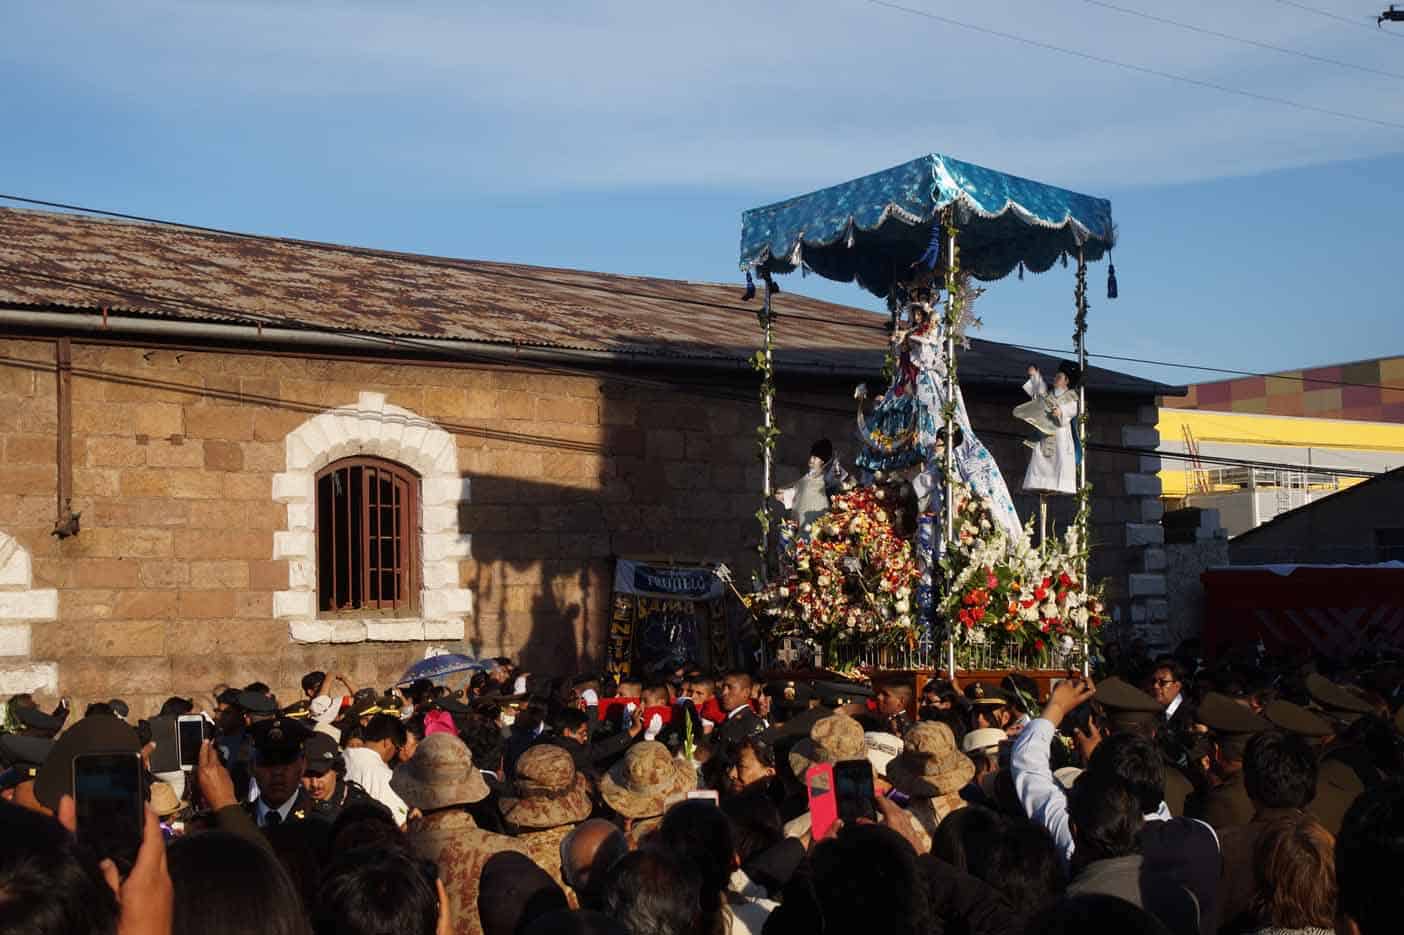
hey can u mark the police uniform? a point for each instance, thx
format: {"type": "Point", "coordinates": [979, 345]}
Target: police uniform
{"type": "Point", "coordinates": [1130, 710]}
{"type": "Point", "coordinates": [20, 759]}
{"type": "Point", "coordinates": [279, 742]}
{"type": "Point", "coordinates": [1337, 785]}
{"type": "Point", "coordinates": [1227, 805]}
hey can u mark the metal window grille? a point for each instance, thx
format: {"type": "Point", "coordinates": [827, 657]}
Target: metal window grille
{"type": "Point", "coordinates": [367, 538]}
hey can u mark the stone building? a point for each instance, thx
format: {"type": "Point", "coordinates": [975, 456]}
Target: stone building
{"type": "Point", "coordinates": [290, 455]}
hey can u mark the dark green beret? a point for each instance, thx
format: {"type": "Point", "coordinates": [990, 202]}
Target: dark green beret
{"type": "Point", "coordinates": [1119, 697]}
{"type": "Point", "coordinates": [1297, 720]}
{"type": "Point", "coordinates": [1225, 716]}
{"type": "Point", "coordinates": [1333, 697]}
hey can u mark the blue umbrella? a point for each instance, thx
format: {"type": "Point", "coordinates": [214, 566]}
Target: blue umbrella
{"type": "Point", "coordinates": [437, 667]}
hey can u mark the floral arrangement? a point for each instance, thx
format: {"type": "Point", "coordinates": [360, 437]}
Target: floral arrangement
{"type": "Point", "coordinates": [1017, 595]}
{"type": "Point", "coordinates": [854, 578]}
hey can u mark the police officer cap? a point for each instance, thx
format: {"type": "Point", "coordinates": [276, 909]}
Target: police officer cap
{"type": "Point", "coordinates": [279, 741]}
{"type": "Point", "coordinates": [986, 694]}
{"type": "Point", "coordinates": [1333, 697]}
{"type": "Point", "coordinates": [21, 757]}
{"type": "Point", "coordinates": [790, 693]}
{"type": "Point", "coordinates": [1121, 697]}
{"type": "Point", "coordinates": [1295, 719]}
{"type": "Point", "coordinates": [321, 753]}
{"type": "Point", "coordinates": [257, 703]}
{"type": "Point", "coordinates": [834, 694]}
{"type": "Point", "coordinates": [1225, 716]}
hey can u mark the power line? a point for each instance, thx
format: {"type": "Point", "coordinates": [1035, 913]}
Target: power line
{"type": "Point", "coordinates": [876, 325]}
{"type": "Point", "coordinates": [1142, 69]}
{"type": "Point", "coordinates": [1321, 59]}
{"type": "Point", "coordinates": [1362, 22]}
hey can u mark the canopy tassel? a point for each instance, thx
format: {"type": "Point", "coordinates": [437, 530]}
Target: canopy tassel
{"type": "Point", "coordinates": [750, 288]}
{"type": "Point", "coordinates": [1021, 270]}
{"type": "Point", "coordinates": [1111, 279]}
{"type": "Point", "coordinates": [770, 285]}
{"type": "Point", "coordinates": [932, 256]}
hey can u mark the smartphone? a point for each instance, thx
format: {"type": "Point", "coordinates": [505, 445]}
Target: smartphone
{"type": "Point", "coordinates": [853, 787]}
{"type": "Point", "coordinates": [823, 806]}
{"type": "Point", "coordinates": [109, 790]}
{"type": "Point", "coordinates": [705, 795]}
{"type": "Point", "coordinates": [190, 732]}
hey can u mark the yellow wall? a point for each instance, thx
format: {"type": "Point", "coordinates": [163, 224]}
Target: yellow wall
{"type": "Point", "coordinates": [1252, 429]}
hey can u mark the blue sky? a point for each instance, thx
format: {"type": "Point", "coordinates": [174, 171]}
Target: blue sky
{"type": "Point", "coordinates": [628, 137]}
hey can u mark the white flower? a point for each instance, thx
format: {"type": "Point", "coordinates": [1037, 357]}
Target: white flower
{"type": "Point", "coordinates": [1049, 609]}
{"type": "Point", "coordinates": [1079, 616]}
{"type": "Point", "coordinates": [1028, 614]}
{"type": "Point", "coordinates": [903, 605]}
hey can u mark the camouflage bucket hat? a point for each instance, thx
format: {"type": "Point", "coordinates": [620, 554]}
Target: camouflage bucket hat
{"type": "Point", "coordinates": [639, 785]}
{"type": "Point", "coordinates": [832, 739]}
{"type": "Point", "coordinates": [550, 791]}
{"type": "Point", "coordinates": [930, 763]}
{"type": "Point", "coordinates": [441, 773]}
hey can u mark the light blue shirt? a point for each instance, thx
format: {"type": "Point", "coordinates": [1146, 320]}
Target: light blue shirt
{"type": "Point", "coordinates": [1042, 799]}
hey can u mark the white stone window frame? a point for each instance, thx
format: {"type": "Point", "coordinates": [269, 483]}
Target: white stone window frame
{"type": "Point", "coordinates": [371, 428]}
{"type": "Point", "coordinates": [20, 605]}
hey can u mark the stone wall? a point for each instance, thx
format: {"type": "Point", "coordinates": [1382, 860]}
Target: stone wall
{"type": "Point", "coordinates": [191, 469]}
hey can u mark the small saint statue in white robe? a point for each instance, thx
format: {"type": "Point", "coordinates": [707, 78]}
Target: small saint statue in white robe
{"type": "Point", "coordinates": [808, 498]}
{"type": "Point", "coordinates": [1053, 463]}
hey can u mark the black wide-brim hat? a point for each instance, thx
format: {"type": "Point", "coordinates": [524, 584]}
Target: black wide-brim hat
{"type": "Point", "coordinates": [1072, 371]}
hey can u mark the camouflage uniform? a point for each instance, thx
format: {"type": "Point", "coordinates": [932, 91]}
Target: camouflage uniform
{"type": "Point", "coordinates": [552, 797]}
{"type": "Point", "coordinates": [453, 840]}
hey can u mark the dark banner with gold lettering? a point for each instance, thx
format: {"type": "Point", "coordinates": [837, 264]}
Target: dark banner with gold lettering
{"type": "Point", "coordinates": [665, 618]}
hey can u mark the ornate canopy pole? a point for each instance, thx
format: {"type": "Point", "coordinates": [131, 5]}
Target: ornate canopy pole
{"type": "Point", "coordinates": [954, 300]}
{"type": "Point", "coordinates": [764, 362]}
{"type": "Point", "coordinates": [1084, 492]}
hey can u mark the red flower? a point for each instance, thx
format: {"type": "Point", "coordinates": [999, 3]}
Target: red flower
{"type": "Point", "coordinates": [1047, 582]}
{"type": "Point", "coordinates": [1040, 592]}
{"type": "Point", "coordinates": [1064, 580]}
{"type": "Point", "coordinates": [1038, 646]}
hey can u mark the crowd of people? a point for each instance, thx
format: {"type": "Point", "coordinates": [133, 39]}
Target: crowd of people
{"type": "Point", "coordinates": [1159, 796]}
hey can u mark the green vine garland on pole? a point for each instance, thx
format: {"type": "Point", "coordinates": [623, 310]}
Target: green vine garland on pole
{"type": "Point", "coordinates": [763, 362]}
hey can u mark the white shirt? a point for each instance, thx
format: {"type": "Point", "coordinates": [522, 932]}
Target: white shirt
{"type": "Point", "coordinates": [1173, 706]}
{"type": "Point", "coordinates": [365, 768]}
{"type": "Point", "coordinates": [741, 707]}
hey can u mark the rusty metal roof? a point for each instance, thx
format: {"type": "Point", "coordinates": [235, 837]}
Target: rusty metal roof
{"type": "Point", "coordinates": [79, 263]}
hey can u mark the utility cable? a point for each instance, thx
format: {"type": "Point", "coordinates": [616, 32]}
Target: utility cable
{"type": "Point", "coordinates": [1142, 69]}
{"type": "Point", "coordinates": [1362, 22]}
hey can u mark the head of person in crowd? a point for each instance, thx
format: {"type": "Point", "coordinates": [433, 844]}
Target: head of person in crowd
{"type": "Point", "coordinates": [379, 891]}
{"type": "Point", "coordinates": [587, 853]}
{"type": "Point", "coordinates": [278, 764]}
{"type": "Point", "coordinates": [502, 671]}
{"type": "Point", "coordinates": [654, 695]}
{"type": "Point", "coordinates": [312, 684]}
{"type": "Point", "coordinates": [639, 786]}
{"type": "Point", "coordinates": [750, 762]}
{"type": "Point", "coordinates": [989, 706]}
{"type": "Point", "coordinates": [440, 776]}
{"type": "Point", "coordinates": [513, 893]}
{"type": "Point", "coordinates": [736, 690]}
{"type": "Point", "coordinates": [1105, 816]}
{"type": "Point", "coordinates": [932, 771]}
{"type": "Point", "coordinates": [1369, 853]}
{"type": "Point", "coordinates": [756, 827]}
{"type": "Point", "coordinates": [1167, 680]}
{"type": "Point", "coordinates": [1085, 726]}
{"type": "Point", "coordinates": [386, 735]}
{"type": "Point", "coordinates": [654, 892]}
{"type": "Point", "coordinates": [361, 824]}
{"type": "Point", "coordinates": [1096, 912]}
{"type": "Point", "coordinates": [1231, 725]}
{"type": "Point", "coordinates": [700, 688]}
{"type": "Point", "coordinates": [983, 748]}
{"type": "Point", "coordinates": [322, 768]}
{"type": "Point", "coordinates": [1128, 710]}
{"type": "Point", "coordinates": [894, 697]}
{"type": "Point", "coordinates": [90, 735]}
{"type": "Point", "coordinates": [1294, 875]}
{"type": "Point", "coordinates": [550, 791]}
{"type": "Point", "coordinates": [967, 838]}
{"type": "Point", "coordinates": [571, 723]}
{"type": "Point", "coordinates": [1279, 771]}
{"type": "Point", "coordinates": [831, 739]}
{"type": "Point", "coordinates": [700, 834]}
{"type": "Point", "coordinates": [218, 877]}
{"type": "Point", "coordinates": [867, 880]}
{"type": "Point", "coordinates": [176, 707]}
{"type": "Point", "coordinates": [1136, 763]}
{"type": "Point", "coordinates": [484, 739]}
{"type": "Point", "coordinates": [49, 884]}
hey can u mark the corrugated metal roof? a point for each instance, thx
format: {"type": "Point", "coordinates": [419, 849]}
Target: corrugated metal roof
{"type": "Point", "coordinates": [81, 263]}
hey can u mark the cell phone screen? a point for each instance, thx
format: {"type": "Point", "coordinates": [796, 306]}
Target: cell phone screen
{"type": "Point", "coordinates": [192, 734]}
{"type": "Point", "coordinates": [108, 790]}
{"type": "Point", "coordinates": [853, 787]}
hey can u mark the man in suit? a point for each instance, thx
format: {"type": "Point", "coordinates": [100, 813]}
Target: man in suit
{"type": "Point", "coordinates": [278, 767]}
{"type": "Point", "coordinates": [741, 720]}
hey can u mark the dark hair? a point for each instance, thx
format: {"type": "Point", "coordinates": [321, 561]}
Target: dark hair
{"type": "Point", "coordinates": [385, 727]}
{"type": "Point", "coordinates": [377, 891]}
{"type": "Point", "coordinates": [740, 674]}
{"type": "Point", "coordinates": [652, 892]}
{"type": "Point", "coordinates": [823, 449]}
{"type": "Point", "coordinates": [363, 823]}
{"type": "Point", "coordinates": [1369, 852]}
{"type": "Point", "coordinates": [420, 691]}
{"type": "Point", "coordinates": [484, 740]}
{"type": "Point", "coordinates": [1175, 667]}
{"type": "Point", "coordinates": [1136, 762]}
{"type": "Point", "coordinates": [260, 688]}
{"type": "Point", "coordinates": [513, 892]}
{"type": "Point", "coordinates": [1088, 718]}
{"type": "Point", "coordinates": [1024, 866]}
{"type": "Point", "coordinates": [569, 719]}
{"type": "Point", "coordinates": [1105, 815]}
{"type": "Point", "coordinates": [699, 833]}
{"type": "Point", "coordinates": [99, 707]}
{"type": "Point", "coordinates": [756, 825]}
{"type": "Point", "coordinates": [578, 922]}
{"type": "Point", "coordinates": [966, 837]}
{"type": "Point", "coordinates": [1079, 915]}
{"type": "Point", "coordinates": [176, 707]}
{"type": "Point", "coordinates": [867, 880]}
{"type": "Point", "coordinates": [49, 884]}
{"type": "Point", "coordinates": [313, 681]}
{"type": "Point", "coordinates": [218, 876]}
{"type": "Point", "coordinates": [1295, 875]}
{"type": "Point", "coordinates": [1279, 770]}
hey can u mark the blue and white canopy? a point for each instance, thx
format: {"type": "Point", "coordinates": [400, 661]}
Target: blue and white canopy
{"type": "Point", "coordinates": [873, 229]}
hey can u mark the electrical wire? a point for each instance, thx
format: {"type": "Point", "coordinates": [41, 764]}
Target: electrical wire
{"type": "Point", "coordinates": [1320, 59]}
{"type": "Point", "coordinates": [876, 326]}
{"type": "Point", "coordinates": [1142, 69]}
{"type": "Point", "coordinates": [1362, 22]}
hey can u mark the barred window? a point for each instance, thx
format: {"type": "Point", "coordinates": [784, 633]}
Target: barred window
{"type": "Point", "coordinates": [367, 538]}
